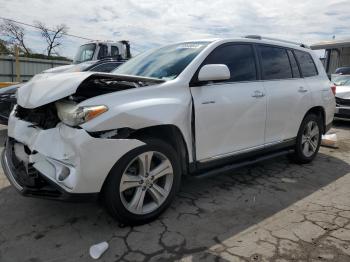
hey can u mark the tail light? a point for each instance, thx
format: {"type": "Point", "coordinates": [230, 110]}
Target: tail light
{"type": "Point", "coordinates": [334, 89]}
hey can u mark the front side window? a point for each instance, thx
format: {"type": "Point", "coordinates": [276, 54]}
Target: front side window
{"type": "Point", "coordinates": [306, 63]}
{"type": "Point", "coordinates": [275, 63]}
{"type": "Point", "coordinates": [164, 63]}
{"type": "Point", "coordinates": [239, 58]}
{"type": "Point", "coordinates": [85, 53]}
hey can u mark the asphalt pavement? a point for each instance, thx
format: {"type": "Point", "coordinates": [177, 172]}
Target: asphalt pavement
{"type": "Point", "coordinates": [271, 211]}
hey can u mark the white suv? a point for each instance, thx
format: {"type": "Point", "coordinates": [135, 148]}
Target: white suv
{"type": "Point", "coordinates": [191, 108]}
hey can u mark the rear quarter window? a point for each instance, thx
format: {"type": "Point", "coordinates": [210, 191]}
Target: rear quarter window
{"type": "Point", "coordinates": [293, 63]}
{"type": "Point", "coordinates": [306, 63]}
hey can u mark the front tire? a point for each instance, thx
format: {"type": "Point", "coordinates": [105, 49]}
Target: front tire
{"type": "Point", "coordinates": [308, 140]}
{"type": "Point", "coordinates": [143, 183]}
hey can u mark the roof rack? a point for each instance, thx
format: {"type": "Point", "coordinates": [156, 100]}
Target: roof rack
{"type": "Point", "coordinates": [259, 37]}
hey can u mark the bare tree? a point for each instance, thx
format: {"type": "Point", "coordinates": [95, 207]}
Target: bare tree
{"type": "Point", "coordinates": [53, 37]}
{"type": "Point", "coordinates": [15, 34]}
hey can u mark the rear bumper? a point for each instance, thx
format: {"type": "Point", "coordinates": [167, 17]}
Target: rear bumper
{"type": "Point", "coordinates": [342, 112]}
{"type": "Point", "coordinates": [34, 184]}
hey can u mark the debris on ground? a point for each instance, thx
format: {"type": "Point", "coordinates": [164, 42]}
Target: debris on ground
{"type": "Point", "coordinates": [96, 251]}
{"type": "Point", "coordinates": [329, 140]}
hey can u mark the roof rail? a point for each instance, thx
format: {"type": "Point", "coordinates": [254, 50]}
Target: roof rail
{"type": "Point", "coordinates": [259, 37]}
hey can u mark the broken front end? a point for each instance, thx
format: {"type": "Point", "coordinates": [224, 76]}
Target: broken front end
{"type": "Point", "coordinates": [48, 154]}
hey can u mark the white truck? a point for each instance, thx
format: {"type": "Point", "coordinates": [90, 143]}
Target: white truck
{"type": "Point", "coordinates": [93, 53]}
{"type": "Point", "coordinates": [99, 50]}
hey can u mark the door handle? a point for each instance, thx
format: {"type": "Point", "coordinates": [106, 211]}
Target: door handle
{"type": "Point", "coordinates": [302, 90]}
{"type": "Point", "coordinates": [257, 94]}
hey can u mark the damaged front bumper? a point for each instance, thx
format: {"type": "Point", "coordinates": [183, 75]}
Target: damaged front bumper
{"type": "Point", "coordinates": [62, 163]}
{"type": "Point", "coordinates": [33, 183]}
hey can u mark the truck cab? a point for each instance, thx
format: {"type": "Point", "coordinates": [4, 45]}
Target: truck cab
{"type": "Point", "coordinates": [99, 50]}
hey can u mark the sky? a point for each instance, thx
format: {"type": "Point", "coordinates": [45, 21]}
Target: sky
{"type": "Point", "coordinates": [151, 23]}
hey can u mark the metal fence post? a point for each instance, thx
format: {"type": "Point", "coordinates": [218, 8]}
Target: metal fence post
{"type": "Point", "coordinates": [12, 65]}
{"type": "Point", "coordinates": [18, 72]}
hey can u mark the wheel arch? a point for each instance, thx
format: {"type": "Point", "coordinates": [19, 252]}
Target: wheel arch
{"type": "Point", "coordinates": [170, 134]}
{"type": "Point", "coordinates": [320, 112]}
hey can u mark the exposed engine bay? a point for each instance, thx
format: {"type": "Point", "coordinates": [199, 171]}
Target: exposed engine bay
{"type": "Point", "coordinates": [100, 84]}
{"type": "Point", "coordinates": [49, 115]}
{"type": "Point", "coordinates": [44, 117]}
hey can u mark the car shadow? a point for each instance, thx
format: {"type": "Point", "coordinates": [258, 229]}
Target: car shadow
{"type": "Point", "coordinates": [344, 124]}
{"type": "Point", "coordinates": [204, 213]}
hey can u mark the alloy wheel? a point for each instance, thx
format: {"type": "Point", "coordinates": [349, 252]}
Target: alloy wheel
{"type": "Point", "coordinates": [310, 138]}
{"type": "Point", "coordinates": [146, 182]}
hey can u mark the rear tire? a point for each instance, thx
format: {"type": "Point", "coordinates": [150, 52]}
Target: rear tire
{"type": "Point", "coordinates": [308, 140]}
{"type": "Point", "coordinates": [143, 183]}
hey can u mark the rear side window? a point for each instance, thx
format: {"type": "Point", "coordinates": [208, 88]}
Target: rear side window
{"type": "Point", "coordinates": [275, 63]}
{"type": "Point", "coordinates": [114, 51]}
{"type": "Point", "coordinates": [103, 52]}
{"type": "Point", "coordinates": [239, 59]}
{"type": "Point", "coordinates": [306, 63]}
{"type": "Point", "coordinates": [294, 65]}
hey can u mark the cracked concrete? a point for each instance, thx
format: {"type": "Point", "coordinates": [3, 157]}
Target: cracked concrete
{"type": "Point", "coordinates": [272, 211]}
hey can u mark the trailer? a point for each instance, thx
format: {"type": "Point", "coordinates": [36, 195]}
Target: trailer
{"type": "Point", "coordinates": [337, 54]}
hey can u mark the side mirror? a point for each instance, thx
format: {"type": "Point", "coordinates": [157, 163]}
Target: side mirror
{"type": "Point", "coordinates": [214, 72]}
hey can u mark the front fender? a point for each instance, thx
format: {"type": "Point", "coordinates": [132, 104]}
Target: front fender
{"type": "Point", "coordinates": [144, 107]}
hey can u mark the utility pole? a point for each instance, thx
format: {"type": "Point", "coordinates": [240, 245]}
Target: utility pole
{"type": "Point", "coordinates": [18, 73]}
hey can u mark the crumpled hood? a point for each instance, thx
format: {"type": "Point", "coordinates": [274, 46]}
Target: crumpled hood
{"type": "Point", "coordinates": [49, 88]}
{"type": "Point", "coordinates": [343, 92]}
{"type": "Point", "coordinates": [43, 89]}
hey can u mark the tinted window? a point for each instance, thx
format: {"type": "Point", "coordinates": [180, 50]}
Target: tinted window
{"type": "Point", "coordinates": [103, 51]}
{"type": "Point", "coordinates": [306, 63]}
{"type": "Point", "coordinates": [293, 63]}
{"type": "Point", "coordinates": [238, 58]}
{"type": "Point", "coordinates": [114, 51]}
{"type": "Point", "coordinates": [275, 63]}
{"type": "Point", "coordinates": [107, 67]}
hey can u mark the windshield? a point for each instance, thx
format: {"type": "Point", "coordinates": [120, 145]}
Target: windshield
{"type": "Point", "coordinates": [163, 63]}
{"type": "Point", "coordinates": [85, 53]}
{"type": "Point", "coordinates": [341, 80]}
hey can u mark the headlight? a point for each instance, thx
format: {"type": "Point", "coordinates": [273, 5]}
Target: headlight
{"type": "Point", "coordinates": [73, 115]}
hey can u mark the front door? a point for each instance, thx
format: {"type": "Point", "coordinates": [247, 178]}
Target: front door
{"type": "Point", "coordinates": [230, 116]}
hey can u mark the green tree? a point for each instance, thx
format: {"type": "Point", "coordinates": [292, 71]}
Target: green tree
{"type": "Point", "coordinates": [3, 47]}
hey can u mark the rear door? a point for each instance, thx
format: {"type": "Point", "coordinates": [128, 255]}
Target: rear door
{"type": "Point", "coordinates": [230, 115]}
{"type": "Point", "coordinates": [288, 97]}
